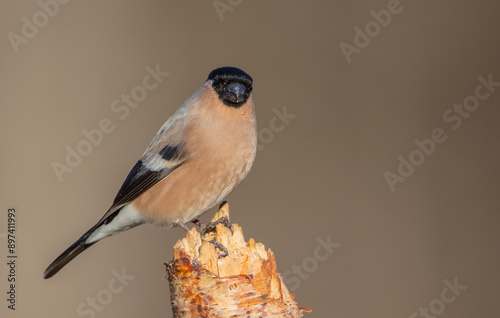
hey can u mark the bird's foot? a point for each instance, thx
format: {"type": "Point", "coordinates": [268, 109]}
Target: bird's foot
{"type": "Point", "coordinates": [210, 227]}
{"type": "Point", "coordinates": [221, 247]}
{"type": "Point", "coordinates": [183, 226]}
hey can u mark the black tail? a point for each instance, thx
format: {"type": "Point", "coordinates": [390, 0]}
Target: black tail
{"type": "Point", "coordinates": [70, 253]}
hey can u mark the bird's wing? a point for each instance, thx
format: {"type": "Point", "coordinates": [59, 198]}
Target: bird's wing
{"type": "Point", "coordinates": [142, 176]}
{"type": "Point", "coordinates": [165, 154]}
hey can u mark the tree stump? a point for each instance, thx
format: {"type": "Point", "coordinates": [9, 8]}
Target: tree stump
{"type": "Point", "coordinates": [245, 283]}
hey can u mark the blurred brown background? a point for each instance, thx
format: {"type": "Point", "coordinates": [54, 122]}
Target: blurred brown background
{"type": "Point", "coordinates": [319, 176]}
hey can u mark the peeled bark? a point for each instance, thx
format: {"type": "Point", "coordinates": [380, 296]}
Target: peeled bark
{"type": "Point", "coordinates": [245, 283]}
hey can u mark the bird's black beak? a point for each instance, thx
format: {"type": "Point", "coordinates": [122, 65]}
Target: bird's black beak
{"type": "Point", "coordinates": [235, 92]}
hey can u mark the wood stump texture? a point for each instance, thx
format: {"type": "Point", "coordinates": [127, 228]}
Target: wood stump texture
{"type": "Point", "coordinates": [245, 283]}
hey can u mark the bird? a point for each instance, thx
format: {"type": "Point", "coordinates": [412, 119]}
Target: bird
{"type": "Point", "coordinates": [199, 155]}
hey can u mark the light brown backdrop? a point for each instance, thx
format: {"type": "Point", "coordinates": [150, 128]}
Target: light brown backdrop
{"type": "Point", "coordinates": [319, 177]}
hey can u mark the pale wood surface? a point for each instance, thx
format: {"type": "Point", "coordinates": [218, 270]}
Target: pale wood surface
{"type": "Point", "coordinates": [245, 283]}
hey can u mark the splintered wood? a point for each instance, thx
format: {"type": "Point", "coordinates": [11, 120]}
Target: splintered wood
{"type": "Point", "coordinates": [245, 283]}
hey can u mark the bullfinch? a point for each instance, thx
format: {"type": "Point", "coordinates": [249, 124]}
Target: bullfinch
{"type": "Point", "coordinates": [201, 153]}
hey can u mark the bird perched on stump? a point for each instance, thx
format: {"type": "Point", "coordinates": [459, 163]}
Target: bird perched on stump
{"type": "Point", "coordinates": [196, 159]}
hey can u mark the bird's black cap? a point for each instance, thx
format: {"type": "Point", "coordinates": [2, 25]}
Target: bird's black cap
{"type": "Point", "coordinates": [229, 72]}
{"type": "Point", "coordinates": [232, 85]}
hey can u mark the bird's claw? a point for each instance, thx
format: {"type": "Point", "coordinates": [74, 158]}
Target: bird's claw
{"type": "Point", "coordinates": [221, 247]}
{"type": "Point", "coordinates": [210, 227]}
